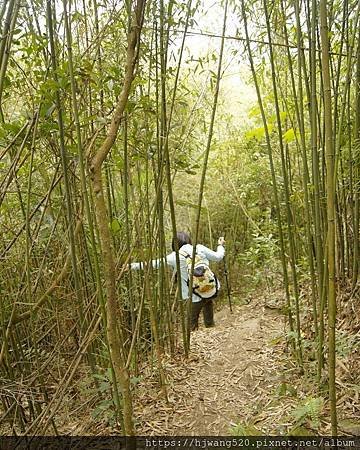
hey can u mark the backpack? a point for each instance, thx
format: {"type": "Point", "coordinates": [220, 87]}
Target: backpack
{"type": "Point", "coordinates": [204, 284]}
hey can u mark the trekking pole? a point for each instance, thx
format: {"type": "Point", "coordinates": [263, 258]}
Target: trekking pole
{"type": "Point", "coordinates": [227, 284]}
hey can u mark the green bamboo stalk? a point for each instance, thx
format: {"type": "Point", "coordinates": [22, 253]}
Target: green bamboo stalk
{"type": "Point", "coordinates": [127, 181]}
{"type": "Point", "coordinates": [299, 110]}
{"type": "Point", "coordinates": [5, 43]}
{"type": "Point", "coordinates": [272, 169]}
{"type": "Point", "coordinates": [27, 218]}
{"type": "Point", "coordinates": [206, 158]}
{"type": "Point", "coordinates": [341, 235]}
{"type": "Point", "coordinates": [316, 175]}
{"type": "Point", "coordinates": [165, 131]}
{"type": "Point", "coordinates": [286, 190]}
{"type": "Point", "coordinates": [84, 190]}
{"type": "Point", "coordinates": [64, 159]}
{"type": "Point", "coordinates": [356, 221]}
{"type": "Point", "coordinates": [330, 192]}
{"type": "Point", "coordinates": [2, 13]}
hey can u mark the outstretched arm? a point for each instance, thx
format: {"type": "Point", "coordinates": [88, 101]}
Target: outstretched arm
{"type": "Point", "coordinates": [218, 254]}
{"type": "Point", "coordinates": [169, 260]}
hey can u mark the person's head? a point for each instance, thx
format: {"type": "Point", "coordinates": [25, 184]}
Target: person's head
{"type": "Point", "coordinates": [182, 239]}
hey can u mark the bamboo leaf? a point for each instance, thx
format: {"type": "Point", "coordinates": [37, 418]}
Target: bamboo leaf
{"type": "Point", "coordinates": [115, 226]}
{"type": "Point", "coordinates": [289, 135]}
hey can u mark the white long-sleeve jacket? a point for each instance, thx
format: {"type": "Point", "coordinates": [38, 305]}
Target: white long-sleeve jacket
{"type": "Point", "coordinates": [201, 250]}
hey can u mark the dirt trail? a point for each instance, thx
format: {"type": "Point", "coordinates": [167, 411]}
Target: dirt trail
{"type": "Point", "coordinates": [230, 377]}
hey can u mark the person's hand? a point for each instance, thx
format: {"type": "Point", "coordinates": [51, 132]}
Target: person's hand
{"type": "Point", "coordinates": [221, 240]}
{"type": "Point", "coordinates": [126, 268]}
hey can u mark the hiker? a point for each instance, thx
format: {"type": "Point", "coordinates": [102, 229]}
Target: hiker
{"type": "Point", "coordinates": [205, 283]}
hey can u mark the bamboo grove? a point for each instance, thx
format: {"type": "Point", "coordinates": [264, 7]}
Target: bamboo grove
{"type": "Point", "coordinates": [101, 128]}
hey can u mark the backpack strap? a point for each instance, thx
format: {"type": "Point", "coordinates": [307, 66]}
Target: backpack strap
{"type": "Point", "coordinates": [184, 254]}
{"type": "Point", "coordinates": [188, 257]}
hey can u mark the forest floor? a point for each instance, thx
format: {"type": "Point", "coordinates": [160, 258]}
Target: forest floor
{"type": "Point", "coordinates": [233, 381]}
{"type": "Point", "coordinates": [240, 379]}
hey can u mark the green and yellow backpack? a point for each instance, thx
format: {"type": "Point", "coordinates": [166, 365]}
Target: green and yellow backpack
{"type": "Point", "coordinates": [204, 284]}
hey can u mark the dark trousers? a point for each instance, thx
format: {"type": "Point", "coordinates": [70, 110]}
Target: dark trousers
{"type": "Point", "coordinates": [207, 307]}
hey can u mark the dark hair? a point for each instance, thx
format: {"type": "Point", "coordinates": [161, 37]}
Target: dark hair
{"type": "Point", "coordinates": [182, 239]}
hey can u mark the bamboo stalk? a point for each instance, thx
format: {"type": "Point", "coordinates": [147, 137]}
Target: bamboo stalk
{"type": "Point", "coordinates": [330, 200]}
{"type": "Point", "coordinates": [116, 342]}
{"type": "Point", "coordinates": [272, 169]}
{"type": "Point", "coordinates": [286, 192]}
